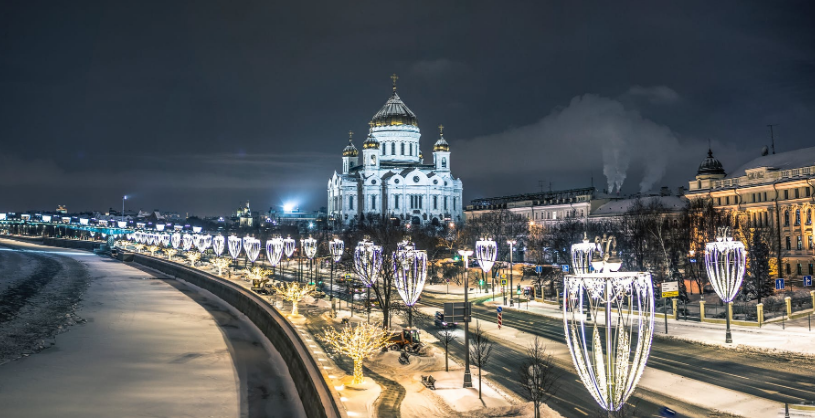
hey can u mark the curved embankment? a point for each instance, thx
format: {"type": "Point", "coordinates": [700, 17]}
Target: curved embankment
{"type": "Point", "coordinates": [317, 397]}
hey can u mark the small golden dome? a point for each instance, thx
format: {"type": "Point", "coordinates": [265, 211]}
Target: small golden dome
{"type": "Point", "coordinates": [441, 144]}
{"type": "Point", "coordinates": [371, 142]}
{"type": "Point", "coordinates": [350, 150]}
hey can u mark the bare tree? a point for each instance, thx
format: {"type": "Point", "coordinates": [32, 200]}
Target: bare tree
{"type": "Point", "coordinates": [538, 375]}
{"type": "Point", "coordinates": [480, 350]}
{"type": "Point", "coordinates": [445, 338]}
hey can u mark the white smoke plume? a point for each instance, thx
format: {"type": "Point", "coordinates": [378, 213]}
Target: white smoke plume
{"type": "Point", "coordinates": [590, 132]}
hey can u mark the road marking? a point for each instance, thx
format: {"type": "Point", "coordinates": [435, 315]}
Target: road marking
{"type": "Point", "coordinates": [729, 374]}
{"type": "Point", "coordinates": [506, 369]}
{"type": "Point", "coordinates": [581, 411]}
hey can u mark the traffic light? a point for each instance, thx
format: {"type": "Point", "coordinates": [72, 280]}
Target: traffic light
{"type": "Point", "coordinates": [519, 289]}
{"type": "Point", "coordinates": [481, 282]}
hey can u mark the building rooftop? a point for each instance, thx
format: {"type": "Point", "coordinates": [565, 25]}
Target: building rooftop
{"type": "Point", "coordinates": [542, 196]}
{"type": "Point", "coordinates": [804, 157]}
{"type": "Point", "coordinates": [618, 207]}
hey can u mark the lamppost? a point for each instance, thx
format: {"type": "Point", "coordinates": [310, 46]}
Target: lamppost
{"type": "Point", "coordinates": [234, 248]}
{"type": "Point", "coordinates": [336, 247]}
{"type": "Point", "coordinates": [310, 248]}
{"type": "Point", "coordinates": [511, 243]}
{"type": "Point", "coordinates": [468, 378]}
{"type": "Point", "coordinates": [609, 365]}
{"type": "Point", "coordinates": [410, 272]}
{"type": "Point", "coordinates": [274, 251]}
{"type": "Point", "coordinates": [725, 260]}
{"type": "Point", "coordinates": [367, 263]}
{"type": "Point", "coordinates": [289, 245]}
{"type": "Point", "coordinates": [251, 247]}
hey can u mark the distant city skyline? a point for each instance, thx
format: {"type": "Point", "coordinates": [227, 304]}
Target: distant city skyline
{"type": "Point", "coordinates": [197, 106]}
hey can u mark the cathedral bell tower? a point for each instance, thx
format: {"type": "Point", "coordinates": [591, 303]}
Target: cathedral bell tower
{"type": "Point", "coordinates": [350, 155]}
{"type": "Point", "coordinates": [441, 152]}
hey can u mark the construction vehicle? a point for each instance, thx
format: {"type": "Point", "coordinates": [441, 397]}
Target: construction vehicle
{"type": "Point", "coordinates": [407, 339]}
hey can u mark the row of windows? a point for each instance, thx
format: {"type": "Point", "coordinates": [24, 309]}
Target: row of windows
{"type": "Point", "coordinates": [800, 243]}
{"type": "Point", "coordinates": [416, 202]}
{"type": "Point", "coordinates": [762, 196]}
{"type": "Point", "coordinates": [800, 269]}
{"type": "Point", "coordinates": [574, 213]}
{"type": "Point", "coordinates": [412, 150]}
{"type": "Point", "coordinates": [798, 217]}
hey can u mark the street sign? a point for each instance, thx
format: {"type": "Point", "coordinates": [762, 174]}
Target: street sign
{"type": "Point", "coordinates": [779, 284]}
{"type": "Point", "coordinates": [538, 269]}
{"type": "Point", "coordinates": [500, 309]}
{"type": "Point", "coordinates": [670, 289]}
{"type": "Point", "coordinates": [503, 282]}
{"type": "Point", "coordinates": [565, 268]}
{"type": "Point", "coordinates": [807, 281]}
{"type": "Point", "coordinates": [456, 312]}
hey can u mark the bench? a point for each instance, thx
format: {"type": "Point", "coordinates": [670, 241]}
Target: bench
{"type": "Point", "coordinates": [429, 382]}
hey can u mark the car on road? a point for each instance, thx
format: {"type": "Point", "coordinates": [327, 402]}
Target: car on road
{"type": "Point", "coordinates": [441, 323]}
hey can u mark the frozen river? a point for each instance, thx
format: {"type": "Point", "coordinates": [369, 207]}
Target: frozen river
{"type": "Point", "coordinates": [88, 336]}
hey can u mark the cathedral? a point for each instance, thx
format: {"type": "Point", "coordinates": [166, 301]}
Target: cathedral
{"type": "Point", "coordinates": [391, 181]}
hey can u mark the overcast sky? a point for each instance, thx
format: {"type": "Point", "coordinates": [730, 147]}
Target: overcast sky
{"type": "Point", "coordinates": [197, 106]}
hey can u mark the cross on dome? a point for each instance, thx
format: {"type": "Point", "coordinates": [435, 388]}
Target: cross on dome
{"type": "Point", "coordinates": [394, 77]}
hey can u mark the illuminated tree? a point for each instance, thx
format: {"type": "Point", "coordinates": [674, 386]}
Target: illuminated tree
{"type": "Point", "coordinates": [257, 273]}
{"type": "Point", "coordinates": [294, 293]}
{"type": "Point", "coordinates": [220, 263]}
{"type": "Point", "coordinates": [153, 249]}
{"type": "Point", "coordinates": [193, 257]}
{"type": "Point", "coordinates": [171, 252]}
{"type": "Point", "coordinates": [357, 342]}
{"type": "Point", "coordinates": [138, 247]}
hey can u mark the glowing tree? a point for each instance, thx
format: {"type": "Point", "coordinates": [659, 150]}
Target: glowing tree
{"type": "Point", "coordinates": [336, 247]}
{"type": "Point", "coordinates": [367, 263]}
{"type": "Point", "coordinates": [165, 240]}
{"type": "Point", "coordinates": [193, 257]}
{"type": "Point", "coordinates": [218, 245]}
{"type": "Point", "coordinates": [220, 263]}
{"type": "Point", "coordinates": [252, 248]}
{"type": "Point", "coordinates": [153, 249]}
{"type": "Point", "coordinates": [171, 252]}
{"type": "Point", "coordinates": [309, 246]}
{"type": "Point", "coordinates": [358, 342]}
{"type": "Point", "coordinates": [725, 261]}
{"type": "Point", "coordinates": [234, 247]}
{"type": "Point", "coordinates": [410, 268]}
{"type": "Point", "coordinates": [294, 293]}
{"type": "Point", "coordinates": [139, 247]}
{"type": "Point", "coordinates": [609, 353]}
{"type": "Point", "coordinates": [186, 242]}
{"type": "Point", "coordinates": [257, 273]}
{"type": "Point", "coordinates": [176, 240]}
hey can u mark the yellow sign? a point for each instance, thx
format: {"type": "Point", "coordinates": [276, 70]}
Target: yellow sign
{"type": "Point", "coordinates": [503, 282]}
{"type": "Point", "coordinates": [670, 289]}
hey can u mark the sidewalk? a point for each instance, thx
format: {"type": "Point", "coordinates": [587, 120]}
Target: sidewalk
{"type": "Point", "coordinates": [795, 337]}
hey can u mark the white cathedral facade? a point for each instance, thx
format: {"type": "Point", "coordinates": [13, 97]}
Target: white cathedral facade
{"type": "Point", "coordinates": [391, 182]}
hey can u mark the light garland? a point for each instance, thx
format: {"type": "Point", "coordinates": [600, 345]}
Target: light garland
{"type": "Point", "coordinates": [186, 242]}
{"type": "Point", "coordinates": [288, 246]}
{"type": "Point", "coordinates": [336, 246]}
{"type": "Point", "coordinates": [234, 246]}
{"type": "Point", "coordinates": [176, 240]}
{"type": "Point", "coordinates": [367, 262]}
{"type": "Point", "coordinates": [609, 367]}
{"type": "Point", "coordinates": [274, 250]}
{"type": "Point", "coordinates": [582, 256]}
{"type": "Point", "coordinates": [410, 268]}
{"type": "Point", "coordinates": [165, 240]}
{"type": "Point", "coordinates": [485, 252]}
{"type": "Point", "coordinates": [357, 342]}
{"type": "Point", "coordinates": [725, 261]}
{"type": "Point", "coordinates": [309, 246]}
{"type": "Point", "coordinates": [252, 247]}
{"type": "Point", "coordinates": [218, 245]}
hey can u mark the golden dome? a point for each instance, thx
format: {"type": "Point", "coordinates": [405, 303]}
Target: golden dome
{"type": "Point", "coordinates": [395, 112]}
{"type": "Point", "coordinates": [371, 142]}
{"type": "Point", "coordinates": [350, 150]}
{"type": "Point", "coordinates": [441, 144]}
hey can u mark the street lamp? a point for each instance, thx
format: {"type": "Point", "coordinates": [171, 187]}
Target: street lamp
{"type": "Point", "coordinates": [367, 263]}
{"type": "Point", "coordinates": [609, 365]}
{"type": "Point", "coordinates": [186, 242]}
{"type": "Point", "coordinates": [310, 249]}
{"type": "Point", "coordinates": [274, 250]}
{"type": "Point", "coordinates": [336, 247]}
{"type": "Point", "coordinates": [289, 245]}
{"type": "Point", "coordinates": [485, 252]}
{"type": "Point", "coordinates": [251, 247]}
{"type": "Point", "coordinates": [175, 240]}
{"type": "Point", "coordinates": [725, 260]}
{"type": "Point", "coordinates": [468, 378]}
{"type": "Point", "coordinates": [410, 272]}
{"type": "Point", "coordinates": [511, 251]}
{"type": "Point", "coordinates": [234, 248]}
{"type": "Point", "coordinates": [218, 245]}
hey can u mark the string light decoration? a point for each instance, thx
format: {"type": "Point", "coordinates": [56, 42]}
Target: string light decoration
{"type": "Point", "coordinates": [196, 240]}
{"type": "Point", "coordinates": [193, 257]}
{"type": "Point", "coordinates": [257, 273]}
{"type": "Point", "coordinates": [609, 353]}
{"type": "Point", "coordinates": [204, 242]}
{"type": "Point", "coordinates": [485, 251]}
{"type": "Point", "coordinates": [176, 240]}
{"type": "Point", "coordinates": [294, 293]}
{"type": "Point", "coordinates": [336, 247]}
{"type": "Point", "coordinates": [150, 238]}
{"type": "Point", "coordinates": [582, 255]}
{"type": "Point", "coordinates": [252, 248]}
{"type": "Point", "coordinates": [234, 247]}
{"type": "Point", "coordinates": [410, 268]}
{"type": "Point", "coordinates": [274, 250]}
{"type": "Point", "coordinates": [367, 262]}
{"type": "Point", "coordinates": [165, 240]}
{"type": "Point", "coordinates": [357, 342]}
{"type": "Point", "coordinates": [153, 249]}
{"type": "Point", "coordinates": [220, 263]}
{"type": "Point", "coordinates": [171, 252]}
{"type": "Point", "coordinates": [288, 246]}
{"type": "Point", "coordinates": [310, 247]}
{"type": "Point", "coordinates": [138, 246]}
{"type": "Point", "coordinates": [218, 245]}
{"type": "Point", "coordinates": [604, 257]}
{"type": "Point", "coordinates": [725, 261]}
{"type": "Point", "coordinates": [186, 242]}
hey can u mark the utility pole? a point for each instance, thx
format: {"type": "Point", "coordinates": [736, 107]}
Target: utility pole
{"type": "Point", "coordinates": [468, 378]}
{"type": "Point", "coordinates": [772, 137]}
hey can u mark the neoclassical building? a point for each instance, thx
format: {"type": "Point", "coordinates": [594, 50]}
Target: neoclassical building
{"type": "Point", "coordinates": [390, 180]}
{"type": "Point", "coordinates": [771, 190]}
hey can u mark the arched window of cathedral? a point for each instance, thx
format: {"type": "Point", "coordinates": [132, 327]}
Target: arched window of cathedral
{"type": "Point", "coordinates": [443, 162]}
{"type": "Point", "coordinates": [787, 219]}
{"type": "Point", "coordinates": [403, 149]}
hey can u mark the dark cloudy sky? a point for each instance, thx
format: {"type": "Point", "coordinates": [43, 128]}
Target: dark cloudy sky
{"type": "Point", "coordinates": [196, 106]}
